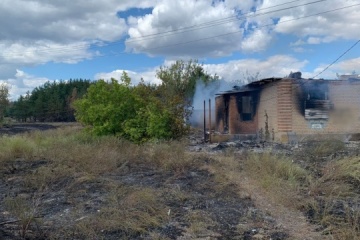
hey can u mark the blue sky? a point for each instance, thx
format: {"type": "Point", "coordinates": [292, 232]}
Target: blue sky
{"type": "Point", "coordinates": [63, 39]}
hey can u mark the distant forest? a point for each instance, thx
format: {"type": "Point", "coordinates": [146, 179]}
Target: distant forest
{"type": "Point", "coordinates": [51, 102]}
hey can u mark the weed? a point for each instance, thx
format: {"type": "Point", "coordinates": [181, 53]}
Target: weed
{"type": "Point", "coordinates": [278, 175]}
{"type": "Point", "coordinates": [347, 169]}
{"type": "Point", "coordinates": [321, 149]}
{"type": "Point", "coordinates": [24, 212]}
{"type": "Point", "coordinates": [275, 169]}
{"type": "Point", "coordinates": [199, 221]}
{"type": "Point", "coordinates": [15, 147]}
{"type": "Point", "coordinates": [339, 219]}
{"type": "Point", "coordinates": [171, 157]}
{"type": "Point", "coordinates": [131, 211]}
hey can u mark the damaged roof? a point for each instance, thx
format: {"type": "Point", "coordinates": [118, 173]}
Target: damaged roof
{"type": "Point", "coordinates": [257, 85]}
{"type": "Point", "coordinates": [253, 86]}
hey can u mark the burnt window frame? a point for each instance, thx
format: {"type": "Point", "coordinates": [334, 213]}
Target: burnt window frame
{"type": "Point", "coordinates": [316, 100]}
{"type": "Point", "coordinates": [247, 117]}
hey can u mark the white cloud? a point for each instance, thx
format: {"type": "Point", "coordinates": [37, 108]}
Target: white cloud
{"type": "Point", "coordinates": [158, 33]}
{"type": "Point", "coordinates": [342, 67]}
{"type": "Point", "coordinates": [256, 41]}
{"type": "Point", "coordinates": [275, 66]}
{"type": "Point", "coordinates": [147, 76]}
{"type": "Point", "coordinates": [322, 27]}
{"type": "Point", "coordinates": [22, 82]}
{"type": "Point", "coordinates": [65, 20]}
{"type": "Point", "coordinates": [42, 51]}
{"type": "Point", "coordinates": [237, 70]}
{"type": "Point", "coordinates": [35, 32]}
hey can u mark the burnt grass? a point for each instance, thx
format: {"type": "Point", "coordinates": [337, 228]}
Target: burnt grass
{"type": "Point", "coordinates": [18, 128]}
{"type": "Point", "coordinates": [225, 209]}
{"type": "Point", "coordinates": [189, 203]}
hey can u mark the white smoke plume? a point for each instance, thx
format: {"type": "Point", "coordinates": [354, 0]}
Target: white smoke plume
{"type": "Point", "coordinates": [204, 92]}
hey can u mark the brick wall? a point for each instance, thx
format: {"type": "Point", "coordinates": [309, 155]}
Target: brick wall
{"type": "Point", "coordinates": [236, 125]}
{"type": "Point", "coordinates": [268, 102]}
{"type": "Point", "coordinates": [282, 104]}
{"type": "Point", "coordinates": [343, 118]}
{"type": "Point", "coordinates": [219, 113]}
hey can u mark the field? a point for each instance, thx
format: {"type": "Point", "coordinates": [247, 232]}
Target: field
{"type": "Point", "coordinates": [65, 184]}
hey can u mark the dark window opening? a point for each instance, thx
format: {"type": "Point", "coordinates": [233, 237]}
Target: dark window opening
{"type": "Point", "coordinates": [246, 108]}
{"type": "Point", "coordinates": [317, 103]}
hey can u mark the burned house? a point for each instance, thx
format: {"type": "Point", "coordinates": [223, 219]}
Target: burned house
{"type": "Point", "coordinates": [279, 108]}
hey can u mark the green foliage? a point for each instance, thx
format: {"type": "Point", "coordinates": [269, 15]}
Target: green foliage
{"type": "Point", "coordinates": [143, 112]}
{"type": "Point", "coordinates": [51, 102]}
{"type": "Point", "coordinates": [4, 100]}
{"type": "Point", "coordinates": [180, 79]}
{"type": "Point", "coordinates": [133, 112]}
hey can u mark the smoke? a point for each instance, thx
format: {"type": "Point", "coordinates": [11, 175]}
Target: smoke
{"type": "Point", "coordinates": [204, 92]}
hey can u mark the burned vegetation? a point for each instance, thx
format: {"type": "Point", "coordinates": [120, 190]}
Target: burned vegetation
{"type": "Point", "coordinates": [66, 184]}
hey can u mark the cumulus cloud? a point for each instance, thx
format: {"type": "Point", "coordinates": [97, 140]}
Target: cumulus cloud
{"type": "Point", "coordinates": [187, 28]}
{"type": "Point", "coordinates": [147, 76]}
{"type": "Point", "coordinates": [256, 41]}
{"type": "Point", "coordinates": [275, 66]}
{"type": "Point", "coordinates": [207, 28]}
{"type": "Point", "coordinates": [22, 82]}
{"type": "Point", "coordinates": [347, 66]}
{"type": "Point", "coordinates": [36, 32]}
{"type": "Point", "coordinates": [329, 22]}
{"type": "Point", "coordinates": [232, 71]}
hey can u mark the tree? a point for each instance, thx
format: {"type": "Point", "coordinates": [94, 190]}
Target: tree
{"type": "Point", "coordinates": [137, 113]}
{"type": "Point", "coordinates": [180, 79]}
{"type": "Point", "coordinates": [106, 106]}
{"type": "Point", "coordinates": [4, 99]}
{"type": "Point", "coordinates": [50, 102]}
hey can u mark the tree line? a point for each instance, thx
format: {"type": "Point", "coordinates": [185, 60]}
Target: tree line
{"type": "Point", "coordinates": [51, 102]}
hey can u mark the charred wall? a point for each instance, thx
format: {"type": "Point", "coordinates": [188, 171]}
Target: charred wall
{"type": "Point", "coordinates": [222, 113]}
{"type": "Point", "coordinates": [326, 107]}
{"type": "Point", "coordinates": [314, 101]}
{"type": "Point", "coordinates": [236, 112]}
{"type": "Point", "coordinates": [243, 109]}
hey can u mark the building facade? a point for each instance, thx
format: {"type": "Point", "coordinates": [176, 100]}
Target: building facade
{"type": "Point", "coordinates": [278, 108]}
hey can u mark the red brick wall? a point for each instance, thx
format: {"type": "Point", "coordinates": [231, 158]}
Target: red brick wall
{"type": "Point", "coordinates": [343, 118]}
{"type": "Point", "coordinates": [219, 113]}
{"type": "Point", "coordinates": [236, 125]}
{"type": "Point", "coordinates": [284, 105]}
{"type": "Point", "coordinates": [268, 102]}
{"type": "Point", "coordinates": [280, 100]}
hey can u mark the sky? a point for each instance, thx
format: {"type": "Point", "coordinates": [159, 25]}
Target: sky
{"type": "Point", "coordinates": [52, 40]}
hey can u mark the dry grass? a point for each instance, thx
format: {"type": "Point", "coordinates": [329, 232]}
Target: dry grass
{"type": "Point", "coordinates": [25, 211]}
{"type": "Point", "coordinates": [170, 156]}
{"type": "Point", "coordinates": [199, 222]}
{"type": "Point", "coordinates": [278, 176]}
{"type": "Point", "coordinates": [336, 202]}
{"type": "Point", "coordinates": [328, 200]}
{"type": "Point", "coordinates": [16, 147]}
{"type": "Point", "coordinates": [318, 150]}
{"type": "Point", "coordinates": [346, 169]}
{"type": "Point", "coordinates": [69, 159]}
{"type": "Point", "coordinates": [129, 212]}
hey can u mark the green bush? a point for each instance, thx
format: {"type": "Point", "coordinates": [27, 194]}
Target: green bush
{"type": "Point", "coordinates": [137, 113]}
